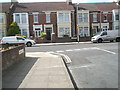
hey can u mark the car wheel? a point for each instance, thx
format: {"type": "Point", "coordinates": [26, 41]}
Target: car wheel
{"type": "Point", "coordinates": [29, 44]}
{"type": "Point", "coordinates": [117, 39]}
{"type": "Point", "coordinates": [111, 40]}
{"type": "Point", "coordinates": [100, 40]}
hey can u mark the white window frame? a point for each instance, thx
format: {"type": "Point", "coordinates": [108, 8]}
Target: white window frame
{"type": "Point", "coordinates": [63, 17]}
{"type": "Point", "coordinates": [20, 17]}
{"type": "Point", "coordinates": [48, 18]}
{"type": "Point", "coordinates": [105, 28]}
{"type": "Point", "coordinates": [2, 21]}
{"type": "Point", "coordinates": [81, 17]}
{"type": "Point", "coordinates": [94, 17]}
{"type": "Point", "coordinates": [35, 14]}
{"type": "Point", "coordinates": [82, 32]}
{"type": "Point", "coordinates": [105, 15]}
{"type": "Point", "coordinates": [37, 31]}
{"type": "Point", "coordinates": [64, 33]}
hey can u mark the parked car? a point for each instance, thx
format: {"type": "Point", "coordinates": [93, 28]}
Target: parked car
{"type": "Point", "coordinates": [109, 35]}
{"type": "Point", "coordinates": [17, 39]}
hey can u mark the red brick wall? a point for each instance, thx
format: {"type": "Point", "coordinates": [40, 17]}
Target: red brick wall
{"type": "Point", "coordinates": [12, 56]}
{"type": "Point", "coordinates": [109, 16]}
{"type": "Point", "coordinates": [42, 21]}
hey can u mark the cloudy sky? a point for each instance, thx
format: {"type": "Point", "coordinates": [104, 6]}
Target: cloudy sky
{"type": "Point", "coordinates": [74, 1]}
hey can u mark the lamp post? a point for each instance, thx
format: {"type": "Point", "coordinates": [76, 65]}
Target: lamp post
{"type": "Point", "coordinates": [78, 38]}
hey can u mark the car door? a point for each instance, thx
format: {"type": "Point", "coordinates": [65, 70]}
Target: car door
{"type": "Point", "coordinates": [20, 40]}
{"type": "Point", "coordinates": [104, 36]}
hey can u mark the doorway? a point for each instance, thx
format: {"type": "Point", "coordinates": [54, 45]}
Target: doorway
{"type": "Point", "coordinates": [48, 33]}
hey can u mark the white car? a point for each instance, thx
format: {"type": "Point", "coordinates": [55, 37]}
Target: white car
{"type": "Point", "coordinates": [17, 39]}
{"type": "Point", "coordinates": [109, 35]}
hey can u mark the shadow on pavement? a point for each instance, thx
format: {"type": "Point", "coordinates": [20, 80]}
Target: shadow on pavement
{"type": "Point", "coordinates": [14, 75]}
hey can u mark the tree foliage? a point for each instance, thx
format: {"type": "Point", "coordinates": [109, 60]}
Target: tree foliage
{"type": "Point", "coordinates": [13, 29]}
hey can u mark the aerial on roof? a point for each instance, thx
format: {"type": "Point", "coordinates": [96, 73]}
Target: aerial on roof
{"type": "Point", "coordinates": [99, 6]}
{"type": "Point", "coordinates": [43, 6]}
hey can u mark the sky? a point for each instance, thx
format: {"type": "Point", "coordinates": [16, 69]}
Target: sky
{"type": "Point", "coordinates": [74, 1]}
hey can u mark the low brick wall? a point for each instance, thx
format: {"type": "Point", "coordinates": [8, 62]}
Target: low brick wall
{"type": "Point", "coordinates": [12, 56]}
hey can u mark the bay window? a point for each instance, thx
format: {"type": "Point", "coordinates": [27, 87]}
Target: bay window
{"type": "Point", "coordinates": [2, 21]}
{"type": "Point", "coordinates": [83, 31]}
{"type": "Point", "coordinates": [63, 31]}
{"type": "Point", "coordinates": [64, 17]}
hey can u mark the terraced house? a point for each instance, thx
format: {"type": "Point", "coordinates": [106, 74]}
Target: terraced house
{"type": "Point", "coordinates": [61, 21]}
{"type": "Point", "coordinates": [56, 19]}
{"type": "Point", "coordinates": [6, 17]}
{"type": "Point", "coordinates": [94, 17]}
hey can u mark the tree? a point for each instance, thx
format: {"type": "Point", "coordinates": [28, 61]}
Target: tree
{"type": "Point", "coordinates": [13, 30]}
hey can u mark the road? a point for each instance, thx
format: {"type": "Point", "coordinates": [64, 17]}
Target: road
{"type": "Point", "coordinates": [92, 65]}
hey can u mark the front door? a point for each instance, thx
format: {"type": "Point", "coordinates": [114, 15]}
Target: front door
{"type": "Point", "coordinates": [48, 33]}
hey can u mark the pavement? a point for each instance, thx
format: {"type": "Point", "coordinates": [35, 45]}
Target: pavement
{"type": "Point", "coordinates": [38, 70]}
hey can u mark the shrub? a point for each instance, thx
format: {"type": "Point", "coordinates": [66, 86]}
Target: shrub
{"type": "Point", "coordinates": [13, 29]}
{"type": "Point", "coordinates": [21, 35]}
{"type": "Point", "coordinates": [43, 35]}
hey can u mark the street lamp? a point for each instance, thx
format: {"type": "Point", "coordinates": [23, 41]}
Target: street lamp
{"type": "Point", "coordinates": [78, 38]}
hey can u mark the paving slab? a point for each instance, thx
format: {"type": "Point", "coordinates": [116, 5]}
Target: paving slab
{"type": "Point", "coordinates": [38, 70]}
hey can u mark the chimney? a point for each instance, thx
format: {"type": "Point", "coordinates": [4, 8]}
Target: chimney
{"type": "Point", "coordinates": [69, 2]}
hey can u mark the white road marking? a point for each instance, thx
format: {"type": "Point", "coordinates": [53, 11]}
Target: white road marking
{"type": "Point", "coordinates": [59, 51]}
{"type": "Point", "coordinates": [77, 49]}
{"type": "Point", "coordinates": [50, 52]}
{"type": "Point", "coordinates": [84, 66]}
{"type": "Point", "coordinates": [105, 50]}
{"type": "Point", "coordinates": [69, 50]}
{"type": "Point", "coordinates": [68, 60]}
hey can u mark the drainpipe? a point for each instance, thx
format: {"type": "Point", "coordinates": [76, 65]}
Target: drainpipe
{"type": "Point", "coordinates": [100, 20]}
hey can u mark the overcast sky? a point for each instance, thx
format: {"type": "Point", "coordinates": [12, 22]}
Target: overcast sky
{"type": "Point", "coordinates": [74, 1]}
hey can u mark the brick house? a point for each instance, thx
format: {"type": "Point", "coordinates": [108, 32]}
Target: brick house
{"type": "Point", "coordinates": [6, 17]}
{"type": "Point", "coordinates": [56, 19]}
{"type": "Point", "coordinates": [94, 17]}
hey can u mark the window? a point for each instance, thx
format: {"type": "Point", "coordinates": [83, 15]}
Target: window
{"type": "Point", "coordinates": [37, 32]}
{"type": "Point", "coordinates": [20, 18]}
{"type": "Point", "coordinates": [23, 18]}
{"type": "Point", "coordinates": [117, 17]}
{"type": "Point", "coordinates": [67, 31]}
{"type": "Point", "coordinates": [83, 31]}
{"type": "Point", "coordinates": [105, 17]}
{"type": "Point", "coordinates": [2, 19]}
{"type": "Point", "coordinates": [24, 32]}
{"type": "Point", "coordinates": [61, 32]}
{"type": "Point", "coordinates": [80, 19]}
{"type": "Point", "coordinates": [64, 31]}
{"type": "Point", "coordinates": [63, 17]}
{"type": "Point", "coordinates": [94, 17]}
{"type": "Point", "coordinates": [20, 38]}
{"type": "Point", "coordinates": [17, 18]}
{"type": "Point", "coordinates": [104, 33]}
{"type": "Point", "coordinates": [66, 17]}
{"type": "Point", "coordinates": [116, 27]}
{"type": "Point", "coordinates": [47, 18]}
{"type": "Point", "coordinates": [105, 28]}
{"type": "Point", "coordinates": [85, 17]}
{"type": "Point", "coordinates": [35, 16]}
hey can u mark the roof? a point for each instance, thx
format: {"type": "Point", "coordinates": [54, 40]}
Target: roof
{"type": "Point", "coordinates": [43, 6]}
{"type": "Point", "coordinates": [5, 7]}
{"type": "Point", "coordinates": [99, 6]}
